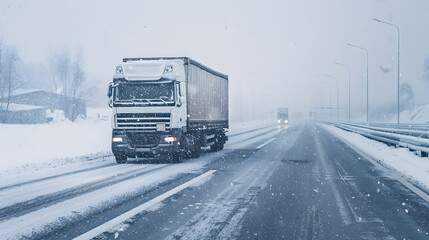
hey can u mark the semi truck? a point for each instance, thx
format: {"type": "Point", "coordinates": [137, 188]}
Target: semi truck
{"type": "Point", "coordinates": [167, 107]}
{"type": "Point", "coordinates": [283, 115]}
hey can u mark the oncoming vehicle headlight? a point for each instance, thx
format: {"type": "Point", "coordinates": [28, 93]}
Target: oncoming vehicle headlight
{"type": "Point", "coordinates": [286, 121]}
{"type": "Point", "coordinates": [170, 139]}
{"type": "Point", "coordinates": [279, 121]}
{"type": "Point", "coordinates": [117, 139]}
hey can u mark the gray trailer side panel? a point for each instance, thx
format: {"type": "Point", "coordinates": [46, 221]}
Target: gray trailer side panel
{"type": "Point", "coordinates": [207, 98]}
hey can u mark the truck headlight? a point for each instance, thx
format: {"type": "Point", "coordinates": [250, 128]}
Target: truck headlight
{"type": "Point", "coordinates": [117, 139]}
{"type": "Point", "coordinates": [279, 121]}
{"type": "Point", "coordinates": [286, 121]}
{"type": "Point", "coordinates": [170, 139]}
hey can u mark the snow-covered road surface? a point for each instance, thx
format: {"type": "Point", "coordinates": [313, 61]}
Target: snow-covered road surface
{"type": "Point", "coordinates": [39, 205]}
{"type": "Point", "coordinates": [299, 182]}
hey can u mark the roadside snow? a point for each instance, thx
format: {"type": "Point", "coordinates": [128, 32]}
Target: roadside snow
{"type": "Point", "coordinates": [409, 165]}
{"type": "Point", "coordinates": [81, 206]}
{"type": "Point", "coordinates": [37, 146]}
{"type": "Point", "coordinates": [43, 143]}
{"type": "Point", "coordinates": [418, 115]}
{"type": "Point", "coordinates": [63, 145]}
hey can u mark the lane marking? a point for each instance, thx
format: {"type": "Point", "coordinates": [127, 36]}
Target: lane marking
{"type": "Point", "coordinates": [145, 206]}
{"type": "Point", "coordinates": [392, 173]}
{"type": "Point", "coordinates": [344, 210]}
{"type": "Point", "coordinates": [264, 144]}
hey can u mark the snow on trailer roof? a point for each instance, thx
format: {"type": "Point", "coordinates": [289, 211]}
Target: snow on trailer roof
{"type": "Point", "coordinates": [187, 60]}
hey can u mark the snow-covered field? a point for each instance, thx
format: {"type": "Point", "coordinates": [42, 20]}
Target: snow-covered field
{"type": "Point", "coordinates": [55, 143]}
{"type": "Point", "coordinates": [401, 160]}
{"type": "Point", "coordinates": [72, 180]}
{"type": "Point", "coordinates": [40, 147]}
{"type": "Point", "coordinates": [419, 114]}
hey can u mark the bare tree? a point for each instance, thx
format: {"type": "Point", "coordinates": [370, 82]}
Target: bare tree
{"type": "Point", "coordinates": [68, 78]}
{"type": "Point", "coordinates": [60, 71]}
{"type": "Point", "coordinates": [77, 81]}
{"type": "Point", "coordinates": [9, 76]}
{"type": "Point", "coordinates": [406, 96]}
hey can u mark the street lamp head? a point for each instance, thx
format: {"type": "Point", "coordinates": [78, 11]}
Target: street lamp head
{"type": "Point", "coordinates": [328, 75]}
{"type": "Point", "coordinates": [341, 64]}
{"type": "Point", "coordinates": [377, 20]}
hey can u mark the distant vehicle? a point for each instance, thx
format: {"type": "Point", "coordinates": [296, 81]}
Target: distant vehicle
{"type": "Point", "coordinates": [283, 116]}
{"type": "Point", "coordinates": [167, 107]}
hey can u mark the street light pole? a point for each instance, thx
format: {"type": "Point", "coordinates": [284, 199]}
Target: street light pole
{"type": "Point", "coordinates": [338, 99]}
{"type": "Point", "coordinates": [348, 69]}
{"type": "Point", "coordinates": [367, 85]}
{"type": "Point", "coordinates": [399, 37]}
{"type": "Point", "coordinates": [320, 112]}
{"type": "Point", "coordinates": [241, 105]}
{"type": "Point", "coordinates": [330, 99]}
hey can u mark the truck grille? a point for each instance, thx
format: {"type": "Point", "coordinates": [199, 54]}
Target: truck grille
{"type": "Point", "coordinates": [142, 139]}
{"type": "Point", "coordinates": [143, 121]}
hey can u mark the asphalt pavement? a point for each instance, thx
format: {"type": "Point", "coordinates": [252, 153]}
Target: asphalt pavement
{"type": "Point", "coordinates": [300, 184]}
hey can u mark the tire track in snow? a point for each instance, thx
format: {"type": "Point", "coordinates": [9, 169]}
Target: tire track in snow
{"type": "Point", "coordinates": [43, 201]}
{"type": "Point", "coordinates": [221, 216]}
{"type": "Point", "coordinates": [56, 176]}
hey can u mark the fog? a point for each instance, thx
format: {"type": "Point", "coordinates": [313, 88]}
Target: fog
{"type": "Point", "coordinates": [276, 53]}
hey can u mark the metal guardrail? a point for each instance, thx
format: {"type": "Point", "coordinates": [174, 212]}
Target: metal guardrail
{"type": "Point", "coordinates": [410, 130]}
{"type": "Point", "coordinates": [416, 140]}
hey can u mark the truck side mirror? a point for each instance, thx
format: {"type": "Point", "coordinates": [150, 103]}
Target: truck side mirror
{"type": "Point", "coordinates": [179, 97]}
{"type": "Point", "coordinates": [110, 91]}
{"type": "Point", "coordinates": [110, 103]}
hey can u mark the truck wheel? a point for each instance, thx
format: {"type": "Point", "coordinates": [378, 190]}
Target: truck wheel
{"type": "Point", "coordinates": [121, 158]}
{"type": "Point", "coordinates": [196, 151]}
{"type": "Point", "coordinates": [217, 146]}
{"type": "Point", "coordinates": [218, 143]}
{"type": "Point", "coordinates": [176, 157]}
{"type": "Point", "coordinates": [221, 146]}
{"type": "Point", "coordinates": [214, 147]}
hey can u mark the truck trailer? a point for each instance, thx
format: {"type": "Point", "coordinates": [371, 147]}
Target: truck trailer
{"type": "Point", "coordinates": [283, 116]}
{"type": "Point", "coordinates": [168, 107]}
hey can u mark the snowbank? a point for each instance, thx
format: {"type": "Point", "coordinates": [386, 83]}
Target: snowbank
{"type": "Point", "coordinates": [409, 165]}
{"type": "Point", "coordinates": [419, 114]}
{"type": "Point", "coordinates": [44, 143]}
{"type": "Point", "coordinates": [25, 148]}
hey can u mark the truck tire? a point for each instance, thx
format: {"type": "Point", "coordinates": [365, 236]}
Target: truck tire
{"type": "Point", "coordinates": [196, 151]}
{"type": "Point", "coordinates": [121, 158]}
{"type": "Point", "coordinates": [176, 157]}
{"type": "Point", "coordinates": [218, 143]}
{"type": "Point", "coordinates": [221, 146]}
{"type": "Point", "coordinates": [214, 147]}
{"type": "Point", "coordinates": [217, 146]}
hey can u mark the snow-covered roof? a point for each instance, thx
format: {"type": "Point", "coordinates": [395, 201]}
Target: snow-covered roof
{"type": "Point", "coordinates": [19, 107]}
{"type": "Point", "coordinates": [24, 91]}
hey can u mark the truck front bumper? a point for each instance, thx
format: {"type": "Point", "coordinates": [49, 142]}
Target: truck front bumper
{"type": "Point", "coordinates": [130, 147]}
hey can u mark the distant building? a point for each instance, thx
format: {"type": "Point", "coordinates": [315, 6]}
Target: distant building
{"type": "Point", "coordinates": [23, 114]}
{"type": "Point", "coordinates": [47, 100]}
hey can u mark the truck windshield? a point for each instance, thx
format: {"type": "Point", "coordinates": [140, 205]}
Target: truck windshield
{"type": "Point", "coordinates": [159, 93]}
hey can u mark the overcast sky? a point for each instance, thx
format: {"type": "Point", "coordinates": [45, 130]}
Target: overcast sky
{"type": "Point", "coordinates": [275, 52]}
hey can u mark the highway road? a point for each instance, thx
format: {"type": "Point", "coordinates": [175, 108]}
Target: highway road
{"type": "Point", "coordinates": [296, 182]}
